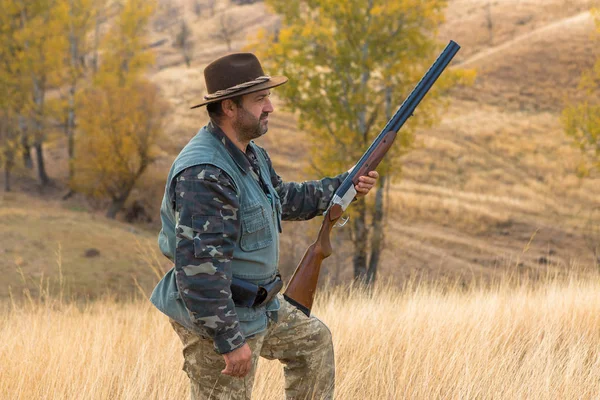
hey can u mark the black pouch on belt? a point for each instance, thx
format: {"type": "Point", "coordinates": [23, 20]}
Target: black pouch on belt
{"type": "Point", "coordinates": [247, 294]}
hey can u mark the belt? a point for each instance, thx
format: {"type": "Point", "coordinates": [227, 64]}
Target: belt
{"type": "Point", "coordinates": [247, 294]}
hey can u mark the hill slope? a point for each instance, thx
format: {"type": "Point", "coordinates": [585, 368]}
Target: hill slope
{"type": "Point", "coordinates": [48, 248]}
{"type": "Point", "coordinates": [491, 187]}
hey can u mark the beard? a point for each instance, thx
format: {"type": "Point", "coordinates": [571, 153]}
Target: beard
{"type": "Point", "coordinates": [248, 127]}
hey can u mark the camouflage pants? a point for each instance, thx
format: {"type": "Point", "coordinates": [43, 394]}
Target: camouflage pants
{"type": "Point", "coordinates": [302, 344]}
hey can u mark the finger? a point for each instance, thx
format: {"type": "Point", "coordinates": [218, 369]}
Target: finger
{"type": "Point", "coordinates": [237, 370]}
{"type": "Point", "coordinates": [374, 174]}
{"type": "Point", "coordinates": [227, 370]}
{"type": "Point", "coordinates": [367, 179]}
{"type": "Point", "coordinates": [241, 370]}
{"type": "Point", "coordinates": [360, 189]}
{"type": "Point", "coordinates": [247, 369]}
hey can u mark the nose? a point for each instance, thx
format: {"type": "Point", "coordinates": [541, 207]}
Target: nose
{"type": "Point", "coordinates": [268, 108]}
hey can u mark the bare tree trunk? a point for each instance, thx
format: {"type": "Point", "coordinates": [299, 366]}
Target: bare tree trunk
{"type": "Point", "coordinates": [361, 236]}
{"type": "Point", "coordinates": [116, 206]}
{"type": "Point", "coordinates": [361, 232]}
{"type": "Point", "coordinates": [70, 131]}
{"type": "Point", "coordinates": [119, 201]}
{"type": "Point", "coordinates": [27, 160]}
{"type": "Point", "coordinates": [44, 179]}
{"type": "Point", "coordinates": [39, 91]}
{"type": "Point", "coordinates": [70, 126]}
{"type": "Point", "coordinates": [377, 234]}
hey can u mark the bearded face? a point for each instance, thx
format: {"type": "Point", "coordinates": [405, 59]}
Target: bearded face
{"type": "Point", "coordinates": [248, 126]}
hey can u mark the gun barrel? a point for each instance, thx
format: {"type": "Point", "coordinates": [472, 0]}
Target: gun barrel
{"type": "Point", "coordinates": [406, 110]}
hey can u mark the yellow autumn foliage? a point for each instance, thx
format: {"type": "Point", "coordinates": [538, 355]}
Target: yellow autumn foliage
{"type": "Point", "coordinates": [120, 126]}
{"type": "Point", "coordinates": [121, 116]}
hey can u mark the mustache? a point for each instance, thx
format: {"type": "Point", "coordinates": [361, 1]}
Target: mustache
{"type": "Point", "coordinates": [264, 115]}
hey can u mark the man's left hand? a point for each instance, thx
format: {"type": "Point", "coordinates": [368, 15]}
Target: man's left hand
{"type": "Point", "coordinates": [366, 183]}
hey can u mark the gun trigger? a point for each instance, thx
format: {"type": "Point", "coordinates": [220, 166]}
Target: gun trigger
{"type": "Point", "coordinates": [342, 223]}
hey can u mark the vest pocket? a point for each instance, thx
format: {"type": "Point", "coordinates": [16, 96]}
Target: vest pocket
{"type": "Point", "coordinates": [256, 232]}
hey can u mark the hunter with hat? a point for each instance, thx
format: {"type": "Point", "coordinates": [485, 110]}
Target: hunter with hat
{"type": "Point", "coordinates": [221, 220]}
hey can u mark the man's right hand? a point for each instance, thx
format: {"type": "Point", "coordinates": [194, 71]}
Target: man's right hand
{"type": "Point", "coordinates": [238, 362]}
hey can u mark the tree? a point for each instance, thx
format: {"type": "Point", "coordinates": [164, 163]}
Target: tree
{"type": "Point", "coordinates": [9, 143]}
{"type": "Point", "coordinates": [12, 85]}
{"type": "Point", "coordinates": [125, 48]}
{"type": "Point", "coordinates": [581, 119]}
{"type": "Point", "coordinates": [121, 115]}
{"type": "Point", "coordinates": [41, 63]}
{"type": "Point", "coordinates": [228, 29]}
{"type": "Point", "coordinates": [77, 23]}
{"type": "Point", "coordinates": [351, 63]}
{"type": "Point", "coordinates": [183, 41]}
{"type": "Point", "coordinates": [120, 128]}
{"type": "Point", "coordinates": [99, 11]}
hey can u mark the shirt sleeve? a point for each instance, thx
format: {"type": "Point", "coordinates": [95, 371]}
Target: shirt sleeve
{"type": "Point", "coordinates": [305, 200]}
{"type": "Point", "coordinates": [207, 226]}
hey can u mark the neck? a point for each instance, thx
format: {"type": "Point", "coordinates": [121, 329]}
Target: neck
{"type": "Point", "coordinates": [232, 135]}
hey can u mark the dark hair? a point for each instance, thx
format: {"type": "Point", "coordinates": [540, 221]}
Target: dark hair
{"type": "Point", "coordinates": [215, 110]}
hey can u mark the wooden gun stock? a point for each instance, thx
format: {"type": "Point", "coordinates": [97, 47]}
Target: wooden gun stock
{"type": "Point", "coordinates": [301, 289]}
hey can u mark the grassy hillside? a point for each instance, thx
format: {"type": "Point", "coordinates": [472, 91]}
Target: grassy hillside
{"type": "Point", "coordinates": [47, 248]}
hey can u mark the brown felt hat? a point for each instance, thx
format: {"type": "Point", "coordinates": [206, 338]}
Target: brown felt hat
{"type": "Point", "coordinates": [234, 75]}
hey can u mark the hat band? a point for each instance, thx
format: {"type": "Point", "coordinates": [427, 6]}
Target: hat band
{"type": "Point", "coordinates": [236, 88]}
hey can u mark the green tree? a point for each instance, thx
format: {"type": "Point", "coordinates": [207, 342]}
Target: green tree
{"type": "Point", "coordinates": [350, 64]}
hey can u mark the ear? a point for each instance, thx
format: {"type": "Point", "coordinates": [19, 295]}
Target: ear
{"type": "Point", "coordinates": [228, 107]}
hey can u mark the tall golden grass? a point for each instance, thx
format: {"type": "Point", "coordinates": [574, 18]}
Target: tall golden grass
{"type": "Point", "coordinates": [505, 340]}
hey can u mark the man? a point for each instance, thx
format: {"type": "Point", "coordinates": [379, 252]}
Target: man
{"type": "Point", "coordinates": [221, 217]}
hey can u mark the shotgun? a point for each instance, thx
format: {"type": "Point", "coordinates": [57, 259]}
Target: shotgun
{"type": "Point", "coordinates": [301, 289]}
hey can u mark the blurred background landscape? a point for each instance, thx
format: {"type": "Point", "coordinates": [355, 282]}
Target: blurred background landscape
{"type": "Point", "coordinates": [495, 185]}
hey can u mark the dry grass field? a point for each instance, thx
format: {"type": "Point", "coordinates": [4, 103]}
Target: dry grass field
{"type": "Point", "coordinates": [507, 341]}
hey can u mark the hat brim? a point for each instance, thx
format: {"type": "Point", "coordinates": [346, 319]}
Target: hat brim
{"type": "Point", "coordinates": [271, 83]}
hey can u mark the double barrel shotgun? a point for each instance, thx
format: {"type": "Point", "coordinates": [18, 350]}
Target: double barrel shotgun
{"type": "Point", "coordinates": [301, 289]}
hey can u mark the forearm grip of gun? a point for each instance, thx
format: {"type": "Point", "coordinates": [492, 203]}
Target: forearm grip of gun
{"type": "Point", "coordinates": [301, 289]}
{"type": "Point", "coordinates": [375, 158]}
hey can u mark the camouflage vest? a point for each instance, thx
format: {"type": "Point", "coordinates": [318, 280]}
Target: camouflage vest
{"type": "Point", "coordinates": [256, 255]}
